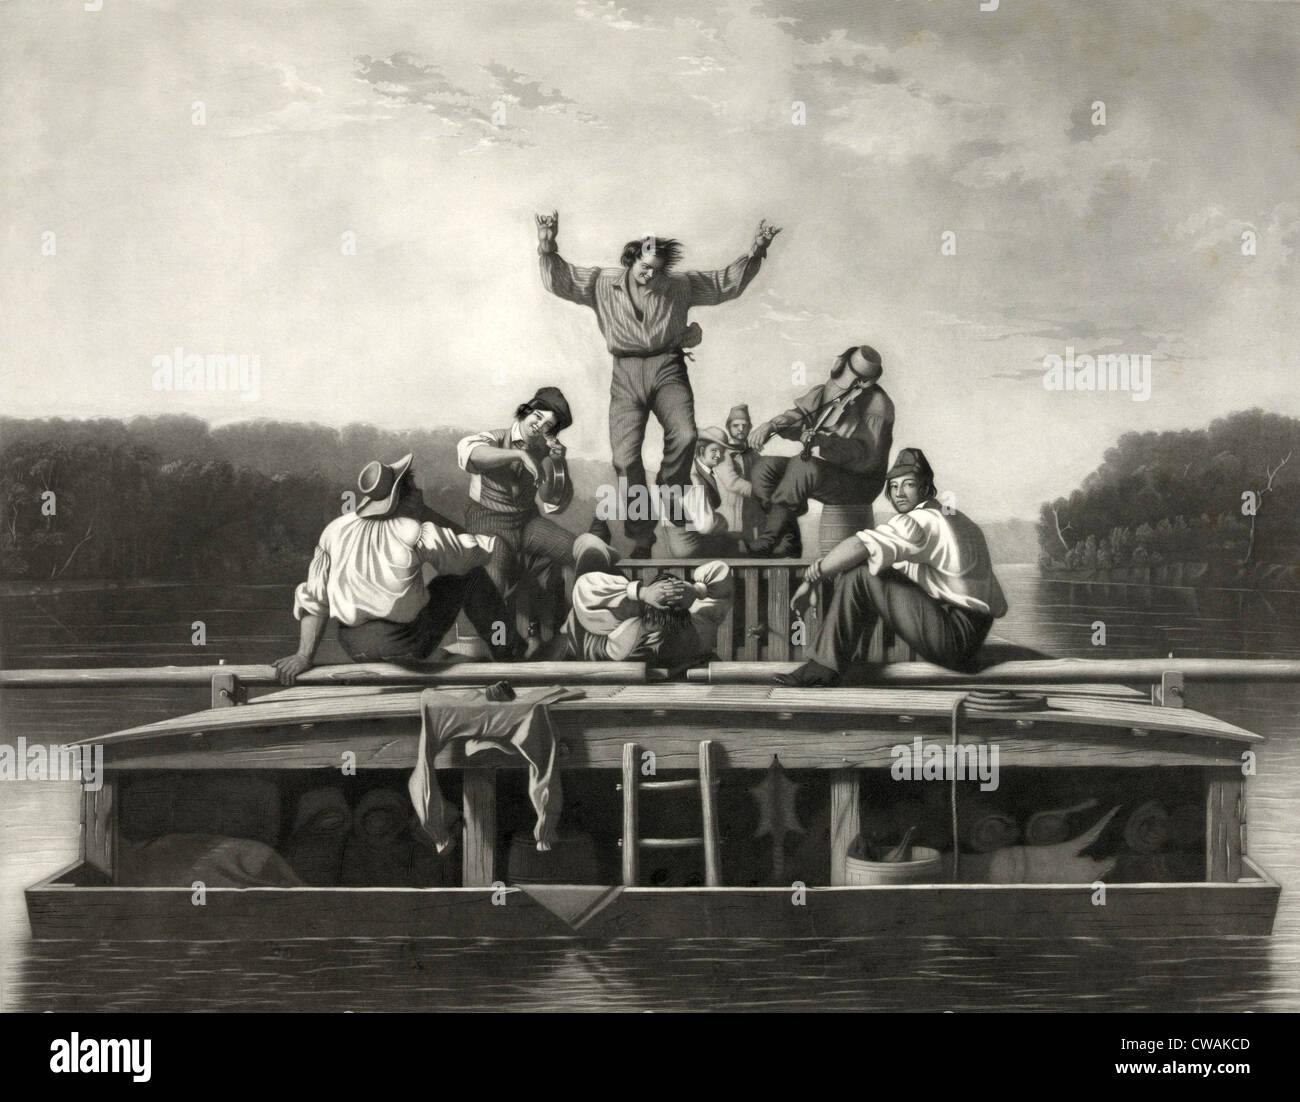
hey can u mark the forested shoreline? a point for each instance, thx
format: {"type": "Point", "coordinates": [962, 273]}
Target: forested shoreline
{"type": "Point", "coordinates": [172, 498]}
{"type": "Point", "coordinates": [1199, 506]}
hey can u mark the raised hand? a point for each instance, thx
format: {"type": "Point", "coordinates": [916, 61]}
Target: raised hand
{"type": "Point", "coordinates": [548, 228]}
{"type": "Point", "coordinates": [764, 234]}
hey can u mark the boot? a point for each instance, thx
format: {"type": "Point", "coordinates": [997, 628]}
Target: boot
{"type": "Point", "coordinates": [810, 675]}
{"type": "Point", "coordinates": [779, 519]}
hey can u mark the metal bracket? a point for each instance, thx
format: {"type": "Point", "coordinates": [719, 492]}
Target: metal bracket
{"type": "Point", "coordinates": [1169, 693]}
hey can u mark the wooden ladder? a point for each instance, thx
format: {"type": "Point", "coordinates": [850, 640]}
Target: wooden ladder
{"type": "Point", "coordinates": [632, 787]}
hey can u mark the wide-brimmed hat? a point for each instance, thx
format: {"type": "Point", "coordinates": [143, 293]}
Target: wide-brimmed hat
{"type": "Point", "coordinates": [874, 366]}
{"type": "Point", "coordinates": [552, 399]}
{"type": "Point", "coordinates": [379, 484]}
{"type": "Point", "coordinates": [737, 412]}
{"type": "Point", "coordinates": [715, 435]}
{"type": "Point", "coordinates": [911, 461]}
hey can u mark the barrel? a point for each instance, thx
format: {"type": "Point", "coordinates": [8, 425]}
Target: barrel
{"type": "Point", "coordinates": [839, 522]}
{"type": "Point", "coordinates": [926, 866]}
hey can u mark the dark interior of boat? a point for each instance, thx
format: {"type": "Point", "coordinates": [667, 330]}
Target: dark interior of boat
{"type": "Point", "coordinates": [317, 828]}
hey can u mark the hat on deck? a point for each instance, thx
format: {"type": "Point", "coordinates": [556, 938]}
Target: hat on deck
{"type": "Point", "coordinates": [911, 461]}
{"type": "Point", "coordinates": [551, 399]}
{"type": "Point", "coordinates": [379, 484]}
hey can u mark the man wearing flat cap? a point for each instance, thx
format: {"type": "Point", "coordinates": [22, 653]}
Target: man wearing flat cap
{"type": "Point", "coordinates": [846, 426]}
{"type": "Point", "coordinates": [514, 471]}
{"type": "Point", "coordinates": [925, 572]}
{"type": "Point", "coordinates": [367, 574]}
{"type": "Point", "coordinates": [707, 531]}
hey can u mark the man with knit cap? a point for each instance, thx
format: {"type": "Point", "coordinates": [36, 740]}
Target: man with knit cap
{"type": "Point", "coordinates": [925, 572]}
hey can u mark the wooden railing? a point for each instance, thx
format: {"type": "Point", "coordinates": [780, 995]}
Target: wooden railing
{"type": "Point", "coordinates": [761, 626]}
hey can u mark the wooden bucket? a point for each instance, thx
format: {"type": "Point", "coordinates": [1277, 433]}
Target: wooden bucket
{"type": "Point", "coordinates": [926, 866]}
{"type": "Point", "coordinates": [839, 522]}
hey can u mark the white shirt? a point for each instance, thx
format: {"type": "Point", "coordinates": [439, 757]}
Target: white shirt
{"type": "Point", "coordinates": [368, 569]}
{"type": "Point", "coordinates": [701, 516]}
{"type": "Point", "coordinates": [606, 608]}
{"type": "Point", "coordinates": [944, 553]}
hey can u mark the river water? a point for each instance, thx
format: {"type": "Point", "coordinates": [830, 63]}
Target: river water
{"type": "Point", "coordinates": [155, 625]}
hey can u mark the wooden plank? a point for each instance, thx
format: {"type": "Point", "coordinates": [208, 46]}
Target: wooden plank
{"type": "Point", "coordinates": [479, 842]}
{"type": "Point", "coordinates": [360, 673]}
{"type": "Point", "coordinates": [778, 615]}
{"type": "Point", "coordinates": [844, 820]}
{"type": "Point", "coordinates": [709, 810]}
{"type": "Point", "coordinates": [227, 691]}
{"type": "Point", "coordinates": [1223, 818]}
{"type": "Point", "coordinates": [630, 840]}
{"type": "Point", "coordinates": [99, 826]}
{"type": "Point", "coordinates": [61, 910]}
{"type": "Point", "coordinates": [750, 644]}
{"type": "Point", "coordinates": [726, 642]}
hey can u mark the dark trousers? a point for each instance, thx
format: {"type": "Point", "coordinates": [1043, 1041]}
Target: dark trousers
{"type": "Point", "coordinates": [643, 385]}
{"type": "Point", "coordinates": [475, 592]}
{"type": "Point", "coordinates": [791, 481]}
{"type": "Point", "coordinates": [939, 632]}
{"type": "Point", "coordinates": [529, 546]}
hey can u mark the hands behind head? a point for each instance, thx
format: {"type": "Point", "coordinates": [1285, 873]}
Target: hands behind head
{"type": "Point", "coordinates": [663, 592]}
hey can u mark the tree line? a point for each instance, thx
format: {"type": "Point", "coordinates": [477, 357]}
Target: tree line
{"type": "Point", "coordinates": [172, 498]}
{"type": "Point", "coordinates": [1224, 497]}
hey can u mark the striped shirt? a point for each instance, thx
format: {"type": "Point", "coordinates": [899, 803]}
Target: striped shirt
{"type": "Point", "coordinates": [658, 325]}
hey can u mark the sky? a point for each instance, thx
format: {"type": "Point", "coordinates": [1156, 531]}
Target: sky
{"type": "Point", "coordinates": [191, 175]}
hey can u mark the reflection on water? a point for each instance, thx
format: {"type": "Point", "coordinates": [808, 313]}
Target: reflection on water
{"type": "Point", "coordinates": [39, 822]}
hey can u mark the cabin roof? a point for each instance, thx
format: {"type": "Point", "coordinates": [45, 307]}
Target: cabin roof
{"type": "Point", "coordinates": [1066, 705]}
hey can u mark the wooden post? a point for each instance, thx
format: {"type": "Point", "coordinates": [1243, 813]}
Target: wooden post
{"type": "Point", "coordinates": [1224, 815]}
{"type": "Point", "coordinates": [708, 805]}
{"type": "Point", "coordinates": [227, 691]}
{"type": "Point", "coordinates": [99, 827]}
{"type": "Point", "coordinates": [750, 643]}
{"type": "Point", "coordinates": [629, 841]}
{"type": "Point", "coordinates": [844, 820]}
{"type": "Point", "coordinates": [479, 800]}
{"type": "Point", "coordinates": [778, 614]}
{"type": "Point", "coordinates": [1169, 693]}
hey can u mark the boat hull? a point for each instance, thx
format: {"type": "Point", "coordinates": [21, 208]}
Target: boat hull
{"type": "Point", "coordinates": [72, 905]}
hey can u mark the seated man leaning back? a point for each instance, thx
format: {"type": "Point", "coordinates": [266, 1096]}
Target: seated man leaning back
{"type": "Point", "coordinates": [667, 621]}
{"type": "Point", "coordinates": [925, 572]}
{"type": "Point", "coordinates": [367, 574]}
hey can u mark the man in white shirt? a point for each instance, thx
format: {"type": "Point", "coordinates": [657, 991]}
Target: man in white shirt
{"type": "Point", "coordinates": [367, 574]}
{"type": "Point", "coordinates": [668, 621]}
{"type": "Point", "coordinates": [926, 572]}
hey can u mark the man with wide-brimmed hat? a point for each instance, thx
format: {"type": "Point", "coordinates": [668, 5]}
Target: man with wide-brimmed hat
{"type": "Point", "coordinates": [846, 426]}
{"type": "Point", "coordinates": [367, 574]}
{"type": "Point", "coordinates": [925, 572]}
{"type": "Point", "coordinates": [512, 472]}
{"type": "Point", "coordinates": [706, 531]}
